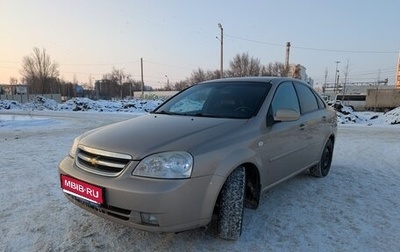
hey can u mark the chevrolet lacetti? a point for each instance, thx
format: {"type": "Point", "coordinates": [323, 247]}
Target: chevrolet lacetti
{"type": "Point", "coordinates": [210, 150]}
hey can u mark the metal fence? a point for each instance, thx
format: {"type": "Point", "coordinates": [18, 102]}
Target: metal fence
{"type": "Point", "coordinates": [23, 98]}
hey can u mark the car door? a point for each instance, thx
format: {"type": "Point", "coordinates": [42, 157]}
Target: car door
{"type": "Point", "coordinates": [314, 120]}
{"type": "Point", "coordinates": [284, 144]}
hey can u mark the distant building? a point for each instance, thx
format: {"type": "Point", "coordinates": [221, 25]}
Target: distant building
{"type": "Point", "coordinates": [299, 71]}
{"type": "Point", "coordinates": [20, 93]}
{"type": "Point", "coordinates": [353, 88]}
{"type": "Point", "coordinates": [8, 89]}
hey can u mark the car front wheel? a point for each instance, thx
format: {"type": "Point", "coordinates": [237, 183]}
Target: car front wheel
{"type": "Point", "coordinates": [231, 204]}
{"type": "Point", "coordinates": [324, 165]}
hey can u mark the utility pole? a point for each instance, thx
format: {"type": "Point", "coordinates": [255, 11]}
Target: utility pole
{"type": "Point", "coordinates": [287, 57]}
{"type": "Point", "coordinates": [166, 76]}
{"type": "Point", "coordinates": [336, 77]}
{"type": "Point", "coordinates": [141, 71]}
{"type": "Point", "coordinates": [326, 77]}
{"type": "Point", "coordinates": [222, 50]}
{"type": "Point", "coordinates": [120, 82]}
{"type": "Point", "coordinates": [377, 90]}
{"type": "Point", "coordinates": [346, 73]}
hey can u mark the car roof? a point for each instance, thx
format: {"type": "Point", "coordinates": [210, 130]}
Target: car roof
{"type": "Point", "coordinates": [262, 79]}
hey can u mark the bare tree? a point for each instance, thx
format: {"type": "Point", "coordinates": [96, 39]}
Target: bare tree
{"type": "Point", "coordinates": [75, 79]}
{"type": "Point", "coordinates": [116, 80]}
{"type": "Point", "coordinates": [168, 86]}
{"type": "Point", "coordinates": [244, 65]}
{"type": "Point", "coordinates": [181, 85]}
{"type": "Point", "coordinates": [212, 75]}
{"type": "Point", "coordinates": [39, 71]}
{"type": "Point", "coordinates": [275, 69]}
{"type": "Point", "coordinates": [90, 84]}
{"type": "Point", "coordinates": [137, 85]}
{"type": "Point", "coordinates": [13, 81]}
{"type": "Point", "coordinates": [198, 76]}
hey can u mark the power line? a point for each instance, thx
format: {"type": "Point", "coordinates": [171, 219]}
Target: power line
{"type": "Point", "coordinates": [344, 51]}
{"type": "Point", "coordinates": [168, 65]}
{"type": "Point", "coordinates": [100, 64]}
{"type": "Point", "coordinates": [255, 41]}
{"type": "Point", "coordinates": [312, 48]}
{"type": "Point", "coordinates": [10, 61]}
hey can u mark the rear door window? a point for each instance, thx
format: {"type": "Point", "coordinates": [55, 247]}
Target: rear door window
{"type": "Point", "coordinates": [321, 102]}
{"type": "Point", "coordinates": [308, 101]}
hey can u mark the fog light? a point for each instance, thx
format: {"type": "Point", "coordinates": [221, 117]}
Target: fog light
{"type": "Point", "coordinates": [149, 219]}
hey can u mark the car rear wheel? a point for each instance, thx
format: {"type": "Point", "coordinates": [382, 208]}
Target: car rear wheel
{"type": "Point", "coordinates": [231, 204]}
{"type": "Point", "coordinates": [324, 165]}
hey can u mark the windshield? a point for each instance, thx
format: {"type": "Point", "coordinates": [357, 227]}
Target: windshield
{"type": "Point", "coordinates": [223, 100]}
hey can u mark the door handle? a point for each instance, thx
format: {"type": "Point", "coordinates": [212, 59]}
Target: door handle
{"type": "Point", "coordinates": [302, 126]}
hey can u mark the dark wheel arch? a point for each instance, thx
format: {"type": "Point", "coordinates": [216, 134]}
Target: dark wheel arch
{"type": "Point", "coordinates": [253, 186]}
{"type": "Point", "coordinates": [323, 167]}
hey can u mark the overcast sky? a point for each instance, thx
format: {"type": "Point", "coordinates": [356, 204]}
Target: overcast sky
{"type": "Point", "coordinates": [89, 38]}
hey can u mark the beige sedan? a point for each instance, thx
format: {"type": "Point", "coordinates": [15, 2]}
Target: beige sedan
{"type": "Point", "coordinates": [212, 149]}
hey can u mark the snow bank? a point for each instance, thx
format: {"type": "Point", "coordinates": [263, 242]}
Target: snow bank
{"type": "Point", "coordinates": [355, 208]}
{"type": "Point", "coordinates": [345, 114]}
{"type": "Point", "coordinates": [82, 104]}
{"type": "Point", "coordinates": [392, 117]}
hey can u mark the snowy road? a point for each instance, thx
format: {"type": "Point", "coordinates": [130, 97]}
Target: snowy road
{"type": "Point", "coordinates": [355, 208]}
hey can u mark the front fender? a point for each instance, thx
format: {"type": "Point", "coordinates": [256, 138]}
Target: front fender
{"type": "Point", "coordinates": [225, 166]}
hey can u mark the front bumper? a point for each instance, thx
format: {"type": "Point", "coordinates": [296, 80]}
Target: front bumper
{"type": "Point", "coordinates": [177, 205]}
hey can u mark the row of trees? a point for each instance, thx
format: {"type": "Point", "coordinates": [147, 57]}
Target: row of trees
{"type": "Point", "coordinates": [42, 76]}
{"type": "Point", "coordinates": [242, 65]}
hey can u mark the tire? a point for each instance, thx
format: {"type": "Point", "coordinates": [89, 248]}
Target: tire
{"type": "Point", "coordinates": [324, 165]}
{"type": "Point", "coordinates": [231, 205]}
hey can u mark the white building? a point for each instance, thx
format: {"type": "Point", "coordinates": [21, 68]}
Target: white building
{"type": "Point", "coordinates": [302, 71]}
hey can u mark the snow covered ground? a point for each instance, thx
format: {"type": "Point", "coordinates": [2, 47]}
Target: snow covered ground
{"type": "Point", "coordinates": [355, 208]}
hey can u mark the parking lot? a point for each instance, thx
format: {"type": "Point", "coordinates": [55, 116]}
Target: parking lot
{"type": "Point", "coordinates": [354, 208]}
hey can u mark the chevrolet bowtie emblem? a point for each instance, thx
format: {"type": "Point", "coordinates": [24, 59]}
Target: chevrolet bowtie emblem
{"type": "Point", "coordinates": [94, 161]}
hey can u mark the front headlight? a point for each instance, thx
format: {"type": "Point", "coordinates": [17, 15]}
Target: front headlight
{"type": "Point", "coordinates": [173, 164]}
{"type": "Point", "coordinates": [74, 147]}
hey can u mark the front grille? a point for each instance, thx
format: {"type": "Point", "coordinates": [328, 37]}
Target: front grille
{"type": "Point", "coordinates": [101, 162]}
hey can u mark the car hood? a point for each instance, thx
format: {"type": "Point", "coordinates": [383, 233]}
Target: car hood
{"type": "Point", "coordinates": [153, 133]}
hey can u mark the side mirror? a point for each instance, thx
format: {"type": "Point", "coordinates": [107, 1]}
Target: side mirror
{"type": "Point", "coordinates": [286, 115]}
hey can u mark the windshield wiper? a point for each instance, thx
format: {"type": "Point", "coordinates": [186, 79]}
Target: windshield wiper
{"type": "Point", "coordinates": [163, 112]}
{"type": "Point", "coordinates": [206, 115]}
